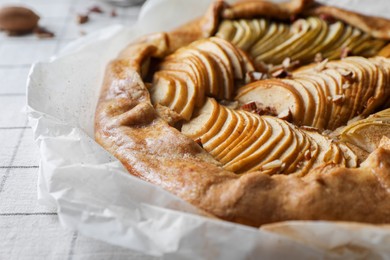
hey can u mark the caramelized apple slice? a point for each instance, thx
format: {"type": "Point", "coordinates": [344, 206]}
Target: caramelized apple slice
{"type": "Point", "coordinates": [284, 151]}
{"type": "Point", "coordinates": [328, 151]}
{"type": "Point", "coordinates": [317, 86]}
{"type": "Point", "coordinates": [227, 31]}
{"type": "Point", "coordinates": [312, 42]}
{"type": "Point", "coordinates": [382, 91]}
{"type": "Point", "coordinates": [210, 69]}
{"type": "Point", "coordinates": [242, 127]}
{"type": "Point", "coordinates": [334, 51]}
{"type": "Point", "coordinates": [180, 101]}
{"type": "Point", "coordinates": [275, 35]}
{"type": "Point", "coordinates": [367, 133]}
{"type": "Point", "coordinates": [340, 97]}
{"type": "Point", "coordinates": [163, 89]}
{"type": "Point", "coordinates": [259, 126]}
{"type": "Point", "coordinates": [309, 107]}
{"type": "Point", "coordinates": [203, 120]}
{"type": "Point", "coordinates": [298, 29]}
{"type": "Point", "coordinates": [351, 159]}
{"type": "Point", "coordinates": [358, 87]}
{"type": "Point", "coordinates": [213, 48]}
{"type": "Point", "coordinates": [225, 131]}
{"type": "Point", "coordinates": [274, 94]}
{"type": "Point", "coordinates": [216, 127]}
{"type": "Point", "coordinates": [192, 70]}
{"type": "Point", "coordinates": [251, 124]}
{"type": "Point", "coordinates": [234, 57]}
{"type": "Point", "coordinates": [267, 138]}
{"type": "Point", "coordinates": [305, 155]}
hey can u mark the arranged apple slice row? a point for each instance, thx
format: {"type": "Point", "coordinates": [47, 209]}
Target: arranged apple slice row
{"type": "Point", "coordinates": [246, 142]}
{"type": "Point", "coordinates": [209, 67]}
{"type": "Point", "coordinates": [327, 97]}
{"type": "Point", "coordinates": [271, 41]}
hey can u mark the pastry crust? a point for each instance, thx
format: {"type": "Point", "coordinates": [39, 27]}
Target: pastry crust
{"type": "Point", "coordinates": [129, 127]}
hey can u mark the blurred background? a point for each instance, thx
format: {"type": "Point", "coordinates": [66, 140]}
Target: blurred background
{"type": "Point", "coordinates": [29, 230]}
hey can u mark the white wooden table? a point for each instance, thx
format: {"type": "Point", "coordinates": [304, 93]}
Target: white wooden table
{"type": "Point", "coordinates": [27, 229]}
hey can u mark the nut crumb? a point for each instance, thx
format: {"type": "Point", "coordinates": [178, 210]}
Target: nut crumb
{"type": "Point", "coordinates": [349, 76]}
{"type": "Point", "coordinates": [82, 18]}
{"type": "Point", "coordinates": [321, 66]}
{"type": "Point", "coordinates": [95, 9]}
{"type": "Point", "coordinates": [318, 57]}
{"type": "Point", "coordinates": [346, 85]}
{"type": "Point", "coordinates": [338, 99]}
{"type": "Point", "coordinates": [250, 106]}
{"type": "Point", "coordinates": [281, 73]}
{"type": "Point", "coordinates": [252, 76]}
{"type": "Point", "coordinates": [113, 13]}
{"type": "Point", "coordinates": [345, 52]}
{"type": "Point", "coordinates": [310, 128]}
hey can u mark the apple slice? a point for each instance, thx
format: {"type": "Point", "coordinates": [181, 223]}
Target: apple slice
{"type": "Point", "coordinates": [284, 151]}
{"type": "Point", "coordinates": [179, 102]}
{"type": "Point", "coordinates": [227, 31]}
{"type": "Point", "coordinates": [258, 128]}
{"type": "Point", "coordinates": [367, 133]}
{"type": "Point", "coordinates": [333, 33]}
{"type": "Point", "coordinates": [256, 32]}
{"type": "Point", "coordinates": [334, 51]}
{"type": "Point", "coordinates": [214, 49]}
{"type": "Point", "coordinates": [340, 99]}
{"type": "Point", "coordinates": [225, 131]}
{"type": "Point", "coordinates": [174, 90]}
{"type": "Point", "coordinates": [302, 50]}
{"type": "Point", "coordinates": [203, 120]}
{"type": "Point", "coordinates": [352, 160]}
{"type": "Point", "coordinates": [329, 152]}
{"type": "Point", "coordinates": [311, 43]}
{"type": "Point", "coordinates": [163, 89]}
{"type": "Point", "coordinates": [308, 102]}
{"type": "Point", "coordinates": [378, 91]}
{"type": "Point", "coordinates": [321, 93]}
{"type": "Point", "coordinates": [306, 153]}
{"type": "Point", "coordinates": [267, 138]}
{"type": "Point", "coordinates": [239, 34]}
{"type": "Point", "coordinates": [193, 71]}
{"type": "Point", "coordinates": [275, 94]}
{"type": "Point", "coordinates": [241, 128]}
{"type": "Point", "coordinates": [276, 34]}
{"type": "Point", "coordinates": [250, 124]}
{"type": "Point", "coordinates": [358, 87]}
{"type": "Point", "coordinates": [235, 58]}
{"type": "Point", "coordinates": [211, 70]}
{"type": "Point", "coordinates": [317, 93]}
{"type": "Point", "coordinates": [216, 127]}
{"type": "Point", "coordinates": [279, 52]}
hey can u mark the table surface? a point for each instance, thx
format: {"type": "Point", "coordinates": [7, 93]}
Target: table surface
{"type": "Point", "coordinates": [29, 230]}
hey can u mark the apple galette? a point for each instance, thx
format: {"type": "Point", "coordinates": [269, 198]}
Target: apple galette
{"type": "Point", "coordinates": [258, 112]}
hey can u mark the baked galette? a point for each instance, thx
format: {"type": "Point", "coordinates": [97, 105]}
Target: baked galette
{"type": "Point", "coordinates": [258, 112]}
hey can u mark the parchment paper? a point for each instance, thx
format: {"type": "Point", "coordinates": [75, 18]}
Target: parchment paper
{"type": "Point", "coordinates": [96, 196]}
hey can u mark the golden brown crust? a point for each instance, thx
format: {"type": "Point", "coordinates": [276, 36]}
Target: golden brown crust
{"type": "Point", "coordinates": [254, 8]}
{"type": "Point", "coordinates": [127, 125]}
{"type": "Point", "coordinates": [376, 26]}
